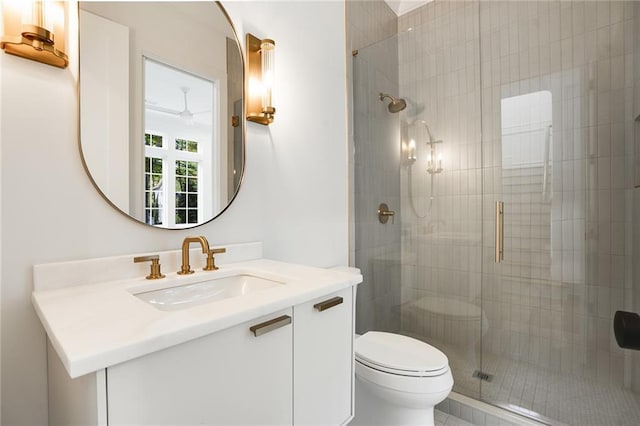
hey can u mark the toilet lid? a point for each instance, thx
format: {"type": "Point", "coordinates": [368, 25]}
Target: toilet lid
{"type": "Point", "coordinates": [399, 354]}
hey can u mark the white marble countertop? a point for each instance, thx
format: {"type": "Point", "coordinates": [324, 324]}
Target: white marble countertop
{"type": "Point", "coordinates": [97, 325]}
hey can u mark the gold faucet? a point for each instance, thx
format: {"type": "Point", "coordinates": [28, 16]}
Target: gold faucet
{"type": "Point", "coordinates": [185, 269]}
{"type": "Point", "coordinates": [155, 272]}
{"type": "Point", "coordinates": [211, 261]}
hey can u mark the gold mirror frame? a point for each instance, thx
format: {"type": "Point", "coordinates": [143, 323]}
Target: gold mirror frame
{"type": "Point", "coordinates": [234, 120]}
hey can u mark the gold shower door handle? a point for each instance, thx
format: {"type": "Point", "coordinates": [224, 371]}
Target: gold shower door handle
{"type": "Point", "coordinates": [499, 231]}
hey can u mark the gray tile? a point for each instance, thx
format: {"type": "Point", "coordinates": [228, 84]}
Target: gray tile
{"type": "Point", "coordinates": [454, 409]}
{"type": "Point", "coordinates": [440, 417]}
{"type": "Point", "coordinates": [491, 420]}
{"type": "Point", "coordinates": [466, 413]}
{"type": "Point", "coordinates": [444, 406]}
{"type": "Point", "coordinates": [479, 417]}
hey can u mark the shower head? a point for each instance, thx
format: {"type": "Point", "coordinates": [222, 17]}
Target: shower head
{"type": "Point", "coordinates": [396, 105]}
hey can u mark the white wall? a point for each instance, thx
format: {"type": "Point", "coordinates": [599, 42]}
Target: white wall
{"type": "Point", "coordinates": [294, 195]}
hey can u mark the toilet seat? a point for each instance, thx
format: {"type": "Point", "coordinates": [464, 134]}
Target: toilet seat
{"type": "Point", "coordinates": [400, 355]}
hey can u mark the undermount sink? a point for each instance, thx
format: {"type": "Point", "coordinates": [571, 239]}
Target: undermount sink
{"type": "Point", "coordinates": [186, 296]}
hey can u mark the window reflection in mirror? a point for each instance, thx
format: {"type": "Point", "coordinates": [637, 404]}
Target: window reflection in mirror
{"type": "Point", "coordinates": [182, 150]}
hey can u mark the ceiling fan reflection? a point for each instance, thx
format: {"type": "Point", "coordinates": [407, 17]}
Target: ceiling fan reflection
{"type": "Point", "coordinates": [186, 114]}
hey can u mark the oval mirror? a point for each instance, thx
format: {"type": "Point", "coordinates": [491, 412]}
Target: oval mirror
{"type": "Point", "coordinates": [161, 102]}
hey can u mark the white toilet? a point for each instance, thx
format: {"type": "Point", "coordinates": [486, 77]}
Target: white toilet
{"type": "Point", "coordinates": [399, 380]}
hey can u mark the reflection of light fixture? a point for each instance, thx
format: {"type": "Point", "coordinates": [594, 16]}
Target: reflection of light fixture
{"type": "Point", "coordinates": [412, 151]}
{"type": "Point", "coordinates": [33, 38]}
{"type": "Point", "coordinates": [434, 159]}
{"type": "Point", "coordinates": [260, 70]}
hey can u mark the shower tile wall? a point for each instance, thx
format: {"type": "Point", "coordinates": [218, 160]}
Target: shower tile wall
{"type": "Point", "coordinates": [441, 245]}
{"type": "Point", "coordinates": [370, 22]}
{"type": "Point", "coordinates": [376, 175]}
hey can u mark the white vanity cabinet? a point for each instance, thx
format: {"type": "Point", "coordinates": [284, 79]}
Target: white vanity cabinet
{"type": "Point", "coordinates": [290, 373]}
{"type": "Point", "coordinates": [276, 347]}
{"type": "Point", "coordinates": [323, 360]}
{"type": "Point", "coordinates": [229, 377]}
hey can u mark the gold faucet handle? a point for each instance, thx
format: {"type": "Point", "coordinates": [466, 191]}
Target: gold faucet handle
{"type": "Point", "coordinates": [155, 272]}
{"type": "Point", "coordinates": [211, 262]}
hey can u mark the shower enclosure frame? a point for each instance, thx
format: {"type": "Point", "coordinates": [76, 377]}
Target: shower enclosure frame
{"type": "Point", "coordinates": [548, 305]}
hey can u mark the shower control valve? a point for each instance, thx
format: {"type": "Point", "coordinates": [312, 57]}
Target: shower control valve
{"type": "Point", "coordinates": [384, 213]}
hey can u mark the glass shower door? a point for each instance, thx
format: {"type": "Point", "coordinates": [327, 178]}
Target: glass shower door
{"type": "Point", "coordinates": [557, 90]}
{"type": "Point", "coordinates": [376, 180]}
{"type": "Point", "coordinates": [441, 174]}
{"type": "Point", "coordinates": [422, 270]}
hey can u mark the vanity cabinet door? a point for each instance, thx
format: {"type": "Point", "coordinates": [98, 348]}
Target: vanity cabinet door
{"type": "Point", "coordinates": [229, 377]}
{"type": "Point", "coordinates": [323, 362]}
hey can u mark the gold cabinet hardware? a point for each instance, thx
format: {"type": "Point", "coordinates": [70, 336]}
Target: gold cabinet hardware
{"type": "Point", "coordinates": [499, 213]}
{"type": "Point", "coordinates": [155, 272]}
{"type": "Point", "coordinates": [384, 213]}
{"type": "Point", "coordinates": [211, 261]}
{"type": "Point", "coordinates": [330, 303]}
{"type": "Point", "coordinates": [267, 326]}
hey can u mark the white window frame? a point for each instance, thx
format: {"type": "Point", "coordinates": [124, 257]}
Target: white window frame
{"type": "Point", "coordinates": [169, 155]}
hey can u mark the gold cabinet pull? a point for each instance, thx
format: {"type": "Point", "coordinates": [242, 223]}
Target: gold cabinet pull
{"type": "Point", "coordinates": [499, 231]}
{"type": "Point", "coordinates": [267, 326]}
{"type": "Point", "coordinates": [330, 303]}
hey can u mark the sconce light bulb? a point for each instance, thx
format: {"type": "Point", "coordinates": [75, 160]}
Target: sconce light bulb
{"type": "Point", "coordinates": [412, 150]}
{"type": "Point", "coordinates": [267, 54]}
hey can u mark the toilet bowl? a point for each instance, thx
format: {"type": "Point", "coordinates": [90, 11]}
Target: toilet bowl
{"type": "Point", "coordinates": [399, 380]}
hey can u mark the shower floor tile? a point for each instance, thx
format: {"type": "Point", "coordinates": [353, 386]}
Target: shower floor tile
{"type": "Point", "coordinates": [545, 395]}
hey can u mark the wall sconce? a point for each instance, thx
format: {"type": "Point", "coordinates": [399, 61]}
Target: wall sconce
{"type": "Point", "coordinates": [29, 28]}
{"type": "Point", "coordinates": [260, 70]}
